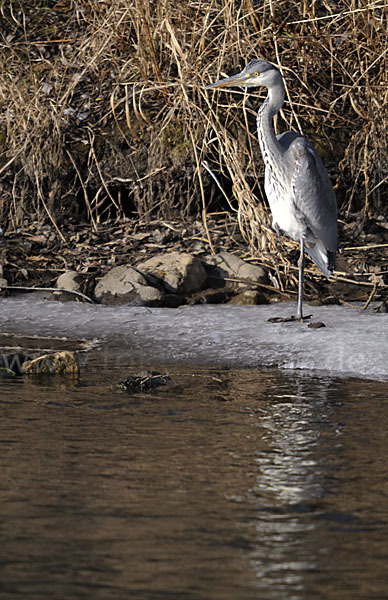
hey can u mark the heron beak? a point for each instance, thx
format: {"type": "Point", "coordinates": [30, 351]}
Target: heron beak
{"type": "Point", "coordinates": [235, 80]}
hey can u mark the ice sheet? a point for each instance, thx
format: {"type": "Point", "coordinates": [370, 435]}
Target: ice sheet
{"type": "Point", "coordinates": [354, 342]}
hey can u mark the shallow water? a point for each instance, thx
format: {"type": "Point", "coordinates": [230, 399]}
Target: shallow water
{"type": "Point", "coordinates": [227, 484]}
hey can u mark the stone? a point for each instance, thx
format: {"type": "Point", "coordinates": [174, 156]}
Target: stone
{"type": "Point", "coordinates": [383, 308]}
{"type": "Point", "coordinates": [248, 298]}
{"type": "Point", "coordinates": [70, 281]}
{"type": "Point", "coordinates": [316, 325]}
{"type": "Point", "coordinates": [180, 272]}
{"type": "Point", "coordinates": [173, 300]}
{"type": "Point", "coordinates": [142, 382]}
{"type": "Point", "coordinates": [211, 296]}
{"type": "Point", "coordinates": [126, 285]}
{"type": "Point", "coordinates": [161, 237]}
{"type": "Point", "coordinates": [58, 363]}
{"type": "Point", "coordinates": [229, 266]}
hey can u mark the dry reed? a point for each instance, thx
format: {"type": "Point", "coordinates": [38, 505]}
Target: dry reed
{"type": "Point", "coordinates": [103, 110]}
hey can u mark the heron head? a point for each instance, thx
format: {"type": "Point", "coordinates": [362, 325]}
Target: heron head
{"type": "Point", "coordinates": [256, 73]}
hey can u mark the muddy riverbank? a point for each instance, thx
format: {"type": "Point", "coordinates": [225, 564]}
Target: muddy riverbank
{"type": "Point", "coordinates": [36, 256]}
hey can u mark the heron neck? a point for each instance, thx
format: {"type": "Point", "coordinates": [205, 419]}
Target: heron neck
{"type": "Point", "coordinates": [270, 107]}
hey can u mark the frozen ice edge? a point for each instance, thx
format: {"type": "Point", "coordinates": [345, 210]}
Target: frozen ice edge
{"type": "Point", "coordinates": [354, 342]}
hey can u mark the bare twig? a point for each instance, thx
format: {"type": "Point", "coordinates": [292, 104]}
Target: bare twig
{"type": "Point", "coordinates": [45, 289]}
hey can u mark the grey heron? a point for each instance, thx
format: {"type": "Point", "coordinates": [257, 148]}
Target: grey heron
{"type": "Point", "coordinates": [296, 183]}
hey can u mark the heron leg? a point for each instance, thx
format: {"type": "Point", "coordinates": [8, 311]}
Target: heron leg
{"type": "Point", "coordinates": [300, 286]}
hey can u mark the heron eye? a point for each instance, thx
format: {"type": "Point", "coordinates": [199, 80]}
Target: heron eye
{"type": "Point", "coordinates": [256, 74]}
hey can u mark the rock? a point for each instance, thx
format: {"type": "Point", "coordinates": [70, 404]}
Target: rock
{"type": "Point", "coordinates": [161, 237]}
{"type": "Point", "coordinates": [229, 266]}
{"type": "Point", "coordinates": [181, 273]}
{"type": "Point", "coordinates": [211, 296]}
{"type": "Point", "coordinates": [3, 281]}
{"type": "Point", "coordinates": [142, 382]}
{"type": "Point", "coordinates": [173, 300]}
{"type": "Point", "coordinates": [249, 297]}
{"type": "Point", "coordinates": [126, 285]}
{"type": "Point", "coordinates": [70, 281]}
{"type": "Point", "coordinates": [383, 308]}
{"type": "Point", "coordinates": [316, 325]}
{"type": "Point", "coordinates": [58, 363]}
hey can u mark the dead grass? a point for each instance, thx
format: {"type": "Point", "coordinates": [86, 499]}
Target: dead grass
{"type": "Point", "coordinates": [103, 110]}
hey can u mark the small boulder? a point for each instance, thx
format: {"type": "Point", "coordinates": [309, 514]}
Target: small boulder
{"type": "Point", "coordinates": [70, 281]}
{"type": "Point", "coordinates": [126, 285]}
{"type": "Point", "coordinates": [211, 296]}
{"type": "Point", "coordinates": [383, 308]}
{"type": "Point", "coordinates": [229, 266]}
{"type": "Point", "coordinates": [3, 281]}
{"type": "Point", "coordinates": [248, 297]}
{"type": "Point", "coordinates": [58, 363]}
{"type": "Point", "coordinates": [180, 273]}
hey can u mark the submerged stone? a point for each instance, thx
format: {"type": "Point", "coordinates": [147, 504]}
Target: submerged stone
{"type": "Point", "coordinates": [143, 381]}
{"type": "Point", "coordinates": [57, 363]}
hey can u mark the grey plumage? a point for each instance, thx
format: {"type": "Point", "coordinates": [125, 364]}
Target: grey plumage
{"type": "Point", "coordinates": [297, 185]}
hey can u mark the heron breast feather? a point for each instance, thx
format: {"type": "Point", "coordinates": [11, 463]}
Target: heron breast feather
{"type": "Point", "coordinates": [284, 214]}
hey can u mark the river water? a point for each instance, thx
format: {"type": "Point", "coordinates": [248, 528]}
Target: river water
{"type": "Point", "coordinates": [225, 484]}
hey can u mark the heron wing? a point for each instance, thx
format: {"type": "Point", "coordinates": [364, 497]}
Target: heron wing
{"type": "Point", "coordinates": [311, 188]}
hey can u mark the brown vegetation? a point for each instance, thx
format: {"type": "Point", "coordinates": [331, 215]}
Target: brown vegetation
{"type": "Point", "coordinates": [103, 111]}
